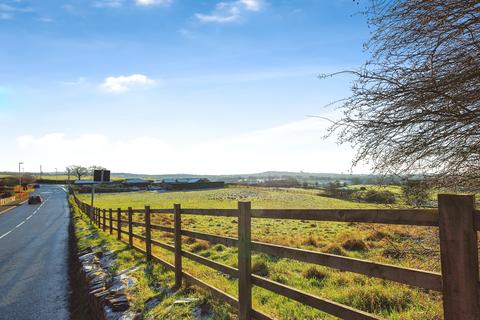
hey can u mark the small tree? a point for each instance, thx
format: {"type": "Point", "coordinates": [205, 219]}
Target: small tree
{"type": "Point", "coordinates": [416, 192]}
{"type": "Point", "coordinates": [78, 171]}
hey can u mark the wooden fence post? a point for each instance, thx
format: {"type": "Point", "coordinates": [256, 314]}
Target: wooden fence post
{"type": "Point", "coordinates": [119, 224]}
{"type": "Point", "coordinates": [178, 245]}
{"type": "Point", "coordinates": [244, 261]}
{"type": "Point", "coordinates": [98, 216]}
{"type": "Point", "coordinates": [110, 215]}
{"type": "Point", "coordinates": [148, 234]}
{"type": "Point", "coordinates": [104, 220]}
{"type": "Point", "coordinates": [130, 227]}
{"type": "Point", "coordinates": [459, 256]}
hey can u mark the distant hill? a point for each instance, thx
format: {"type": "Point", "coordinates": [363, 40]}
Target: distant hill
{"type": "Point", "coordinates": [302, 177]}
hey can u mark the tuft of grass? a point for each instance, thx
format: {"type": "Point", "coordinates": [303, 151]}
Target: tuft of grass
{"type": "Point", "coordinates": [219, 247]}
{"type": "Point", "coordinates": [314, 273]}
{"type": "Point", "coordinates": [200, 246]}
{"type": "Point", "coordinates": [333, 249]}
{"type": "Point", "coordinates": [310, 241]}
{"type": "Point", "coordinates": [260, 267]}
{"type": "Point", "coordinates": [355, 245]}
{"type": "Point", "coordinates": [377, 236]}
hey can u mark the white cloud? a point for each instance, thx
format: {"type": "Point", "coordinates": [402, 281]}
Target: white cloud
{"type": "Point", "coordinates": [294, 146]}
{"type": "Point", "coordinates": [152, 2]}
{"type": "Point", "coordinates": [125, 83]}
{"type": "Point", "coordinates": [252, 5]}
{"type": "Point", "coordinates": [108, 3]}
{"type": "Point", "coordinates": [230, 11]}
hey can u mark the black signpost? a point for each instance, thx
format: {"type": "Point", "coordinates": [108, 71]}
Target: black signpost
{"type": "Point", "coordinates": [99, 176]}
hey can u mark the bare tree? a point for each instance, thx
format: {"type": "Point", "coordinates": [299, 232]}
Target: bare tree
{"type": "Point", "coordinates": [415, 105]}
{"type": "Point", "coordinates": [78, 171]}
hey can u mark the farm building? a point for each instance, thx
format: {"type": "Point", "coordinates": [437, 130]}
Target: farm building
{"type": "Point", "coordinates": [188, 183]}
{"type": "Point", "coordinates": [137, 182]}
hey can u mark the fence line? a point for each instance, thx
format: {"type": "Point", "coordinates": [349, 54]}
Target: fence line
{"type": "Point", "coordinates": [456, 218]}
{"type": "Point", "coordinates": [6, 201]}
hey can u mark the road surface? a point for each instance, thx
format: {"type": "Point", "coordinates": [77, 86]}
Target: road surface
{"type": "Point", "coordinates": [34, 259]}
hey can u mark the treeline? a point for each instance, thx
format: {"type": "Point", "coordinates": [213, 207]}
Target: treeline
{"type": "Point", "coordinates": [416, 193]}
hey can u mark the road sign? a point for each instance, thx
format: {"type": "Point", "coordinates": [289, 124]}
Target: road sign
{"type": "Point", "coordinates": [101, 175]}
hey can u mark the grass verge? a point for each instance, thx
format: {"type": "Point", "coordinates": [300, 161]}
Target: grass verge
{"type": "Point", "coordinates": [152, 295]}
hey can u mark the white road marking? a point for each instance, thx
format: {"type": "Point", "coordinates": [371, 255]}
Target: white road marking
{"type": "Point", "coordinates": [21, 223]}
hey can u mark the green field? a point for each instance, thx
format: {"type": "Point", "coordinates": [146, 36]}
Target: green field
{"type": "Point", "coordinates": [415, 247]}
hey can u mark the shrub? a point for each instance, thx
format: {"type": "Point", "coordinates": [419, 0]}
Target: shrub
{"type": "Point", "coordinates": [376, 196]}
{"type": "Point", "coordinates": [354, 245]}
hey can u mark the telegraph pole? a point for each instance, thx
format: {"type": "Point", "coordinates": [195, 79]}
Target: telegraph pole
{"type": "Point", "coordinates": [20, 173]}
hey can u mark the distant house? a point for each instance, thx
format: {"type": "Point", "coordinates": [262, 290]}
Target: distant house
{"type": "Point", "coordinates": [185, 180]}
{"type": "Point", "coordinates": [137, 182]}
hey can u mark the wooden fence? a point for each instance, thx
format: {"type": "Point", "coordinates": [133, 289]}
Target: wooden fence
{"type": "Point", "coordinates": [9, 200]}
{"type": "Point", "coordinates": [456, 218]}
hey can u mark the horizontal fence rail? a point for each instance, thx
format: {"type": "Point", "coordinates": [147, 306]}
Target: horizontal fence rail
{"type": "Point", "coordinates": [456, 218]}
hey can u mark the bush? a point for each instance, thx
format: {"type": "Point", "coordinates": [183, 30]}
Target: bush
{"type": "Point", "coordinates": [376, 196]}
{"type": "Point", "coordinates": [416, 193]}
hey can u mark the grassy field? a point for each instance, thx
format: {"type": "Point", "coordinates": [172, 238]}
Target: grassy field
{"type": "Point", "coordinates": [415, 247]}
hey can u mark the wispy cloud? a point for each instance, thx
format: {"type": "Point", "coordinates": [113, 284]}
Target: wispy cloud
{"type": "Point", "coordinates": [147, 3]}
{"type": "Point", "coordinates": [78, 81]}
{"type": "Point", "coordinates": [125, 83]}
{"type": "Point", "coordinates": [120, 3]}
{"type": "Point", "coordinates": [225, 12]}
{"type": "Point", "coordinates": [108, 3]}
{"type": "Point", "coordinates": [8, 10]}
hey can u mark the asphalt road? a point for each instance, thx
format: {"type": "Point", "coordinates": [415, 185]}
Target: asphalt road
{"type": "Point", "coordinates": [34, 259]}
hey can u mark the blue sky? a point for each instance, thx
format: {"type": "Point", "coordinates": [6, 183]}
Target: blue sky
{"type": "Point", "coordinates": [169, 86]}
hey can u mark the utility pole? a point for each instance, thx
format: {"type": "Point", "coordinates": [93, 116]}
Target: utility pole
{"type": "Point", "coordinates": [56, 176]}
{"type": "Point", "coordinates": [40, 178]}
{"type": "Point", "coordinates": [20, 173]}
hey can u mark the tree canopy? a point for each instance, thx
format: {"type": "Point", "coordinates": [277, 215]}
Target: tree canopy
{"type": "Point", "coordinates": [415, 104]}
